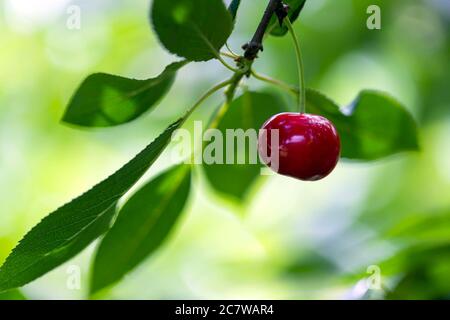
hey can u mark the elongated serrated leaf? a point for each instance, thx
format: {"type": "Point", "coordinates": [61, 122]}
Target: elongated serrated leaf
{"type": "Point", "coordinates": [193, 29]}
{"type": "Point", "coordinates": [105, 100]}
{"type": "Point", "coordinates": [373, 127]}
{"type": "Point", "coordinates": [141, 227]}
{"type": "Point", "coordinates": [249, 111]}
{"type": "Point", "coordinates": [296, 7]}
{"type": "Point", "coordinates": [233, 8]}
{"type": "Point", "coordinates": [68, 230]}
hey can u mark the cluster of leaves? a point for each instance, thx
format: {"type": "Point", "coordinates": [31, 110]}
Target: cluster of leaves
{"type": "Point", "coordinates": [375, 126]}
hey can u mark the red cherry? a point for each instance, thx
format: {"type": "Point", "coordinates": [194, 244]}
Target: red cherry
{"type": "Point", "coordinates": [308, 149]}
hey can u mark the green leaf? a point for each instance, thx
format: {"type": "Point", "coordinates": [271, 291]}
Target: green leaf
{"type": "Point", "coordinates": [12, 295]}
{"type": "Point", "coordinates": [249, 111]}
{"type": "Point", "coordinates": [373, 127]}
{"type": "Point", "coordinates": [422, 272]}
{"type": "Point", "coordinates": [296, 7]}
{"type": "Point", "coordinates": [428, 227]}
{"type": "Point", "coordinates": [105, 100]}
{"type": "Point", "coordinates": [233, 8]}
{"type": "Point", "coordinates": [143, 224]}
{"type": "Point", "coordinates": [67, 231]}
{"type": "Point", "coordinates": [193, 29]}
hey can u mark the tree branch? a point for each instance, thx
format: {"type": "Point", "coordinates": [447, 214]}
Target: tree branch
{"type": "Point", "coordinates": [255, 45]}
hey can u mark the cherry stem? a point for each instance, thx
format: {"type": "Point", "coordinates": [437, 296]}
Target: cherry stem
{"type": "Point", "coordinates": [229, 55]}
{"type": "Point", "coordinates": [209, 93]}
{"type": "Point", "coordinates": [289, 88]}
{"type": "Point", "coordinates": [229, 95]}
{"type": "Point", "coordinates": [231, 51]}
{"type": "Point", "coordinates": [226, 65]}
{"type": "Point", "coordinates": [301, 98]}
{"type": "Point", "coordinates": [231, 85]}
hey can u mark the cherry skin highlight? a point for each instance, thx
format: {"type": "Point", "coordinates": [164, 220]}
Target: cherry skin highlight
{"type": "Point", "coordinates": [308, 146]}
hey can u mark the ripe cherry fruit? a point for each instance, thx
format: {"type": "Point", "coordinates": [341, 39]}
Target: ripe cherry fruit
{"type": "Point", "coordinates": [308, 146]}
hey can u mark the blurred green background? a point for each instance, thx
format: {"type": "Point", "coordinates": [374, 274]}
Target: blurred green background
{"type": "Point", "coordinates": [290, 240]}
